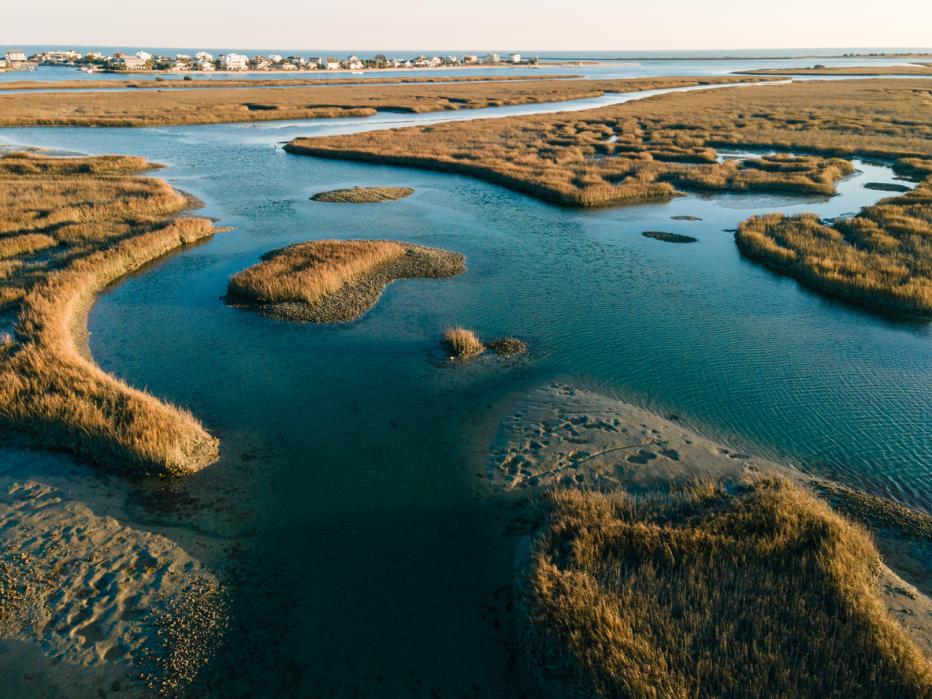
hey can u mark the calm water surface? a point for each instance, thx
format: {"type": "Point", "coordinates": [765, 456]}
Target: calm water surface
{"type": "Point", "coordinates": [364, 554]}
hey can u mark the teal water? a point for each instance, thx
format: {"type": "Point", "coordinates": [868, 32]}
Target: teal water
{"type": "Point", "coordinates": [363, 551]}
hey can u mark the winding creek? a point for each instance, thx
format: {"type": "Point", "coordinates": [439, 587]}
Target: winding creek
{"type": "Point", "coordinates": [349, 513]}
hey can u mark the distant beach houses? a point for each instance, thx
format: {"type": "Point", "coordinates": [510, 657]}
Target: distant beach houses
{"type": "Point", "coordinates": [203, 61]}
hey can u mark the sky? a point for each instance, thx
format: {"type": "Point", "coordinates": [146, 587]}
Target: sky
{"type": "Point", "coordinates": [590, 25]}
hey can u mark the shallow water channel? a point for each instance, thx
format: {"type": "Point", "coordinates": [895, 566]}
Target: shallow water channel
{"type": "Point", "coordinates": [349, 513]}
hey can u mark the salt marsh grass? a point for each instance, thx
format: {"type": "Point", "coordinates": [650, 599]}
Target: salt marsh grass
{"type": "Point", "coordinates": [103, 222]}
{"type": "Point", "coordinates": [712, 592]}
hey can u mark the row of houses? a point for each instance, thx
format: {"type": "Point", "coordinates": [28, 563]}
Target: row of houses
{"type": "Point", "coordinates": [205, 62]}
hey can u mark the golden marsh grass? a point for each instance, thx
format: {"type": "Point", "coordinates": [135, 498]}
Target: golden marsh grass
{"type": "Point", "coordinates": [309, 271]}
{"type": "Point", "coordinates": [462, 343]}
{"type": "Point", "coordinates": [104, 222]}
{"type": "Point", "coordinates": [644, 150]}
{"type": "Point", "coordinates": [363, 195]}
{"type": "Point", "coordinates": [222, 105]}
{"type": "Point", "coordinates": [881, 258]}
{"type": "Point", "coordinates": [711, 592]}
{"type": "Point", "coordinates": [333, 281]}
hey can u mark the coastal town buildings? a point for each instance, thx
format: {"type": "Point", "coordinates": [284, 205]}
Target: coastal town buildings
{"type": "Point", "coordinates": [204, 61]}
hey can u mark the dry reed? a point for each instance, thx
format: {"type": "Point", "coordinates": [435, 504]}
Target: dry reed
{"type": "Point", "coordinates": [881, 258]}
{"type": "Point", "coordinates": [104, 222]}
{"type": "Point", "coordinates": [711, 592]}
{"type": "Point", "coordinates": [220, 105]}
{"type": "Point", "coordinates": [462, 343]}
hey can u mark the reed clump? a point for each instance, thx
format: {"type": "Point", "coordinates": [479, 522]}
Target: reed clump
{"type": "Point", "coordinates": [333, 281]}
{"type": "Point", "coordinates": [756, 591]}
{"type": "Point", "coordinates": [364, 195]}
{"type": "Point", "coordinates": [222, 104]}
{"type": "Point", "coordinates": [462, 343]}
{"type": "Point", "coordinates": [104, 222]}
{"type": "Point", "coordinates": [881, 258]}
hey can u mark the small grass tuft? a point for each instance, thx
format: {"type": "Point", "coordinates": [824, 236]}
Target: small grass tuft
{"type": "Point", "coordinates": [462, 343]}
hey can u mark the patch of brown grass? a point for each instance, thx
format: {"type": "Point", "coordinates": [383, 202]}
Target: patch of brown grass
{"type": "Point", "coordinates": [224, 104]}
{"type": "Point", "coordinates": [309, 271]}
{"type": "Point", "coordinates": [104, 222]}
{"type": "Point", "coordinates": [863, 71]}
{"type": "Point", "coordinates": [760, 592]}
{"type": "Point", "coordinates": [462, 343]}
{"type": "Point", "coordinates": [335, 281]}
{"type": "Point", "coordinates": [880, 258]}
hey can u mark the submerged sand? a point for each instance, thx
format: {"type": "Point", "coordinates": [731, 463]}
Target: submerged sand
{"type": "Point", "coordinates": [92, 596]}
{"type": "Point", "coordinates": [562, 436]}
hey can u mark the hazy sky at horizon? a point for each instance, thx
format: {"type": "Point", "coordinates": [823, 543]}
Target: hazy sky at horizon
{"type": "Point", "coordinates": [472, 24]}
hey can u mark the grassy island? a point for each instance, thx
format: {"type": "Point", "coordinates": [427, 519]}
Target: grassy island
{"type": "Point", "coordinates": [364, 195]}
{"type": "Point", "coordinates": [69, 227]}
{"type": "Point", "coordinates": [756, 591]}
{"type": "Point", "coordinates": [462, 343]}
{"type": "Point", "coordinates": [881, 258]}
{"type": "Point", "coordinates": [335, 281]}
{"type": "Point", "coordinates": [161, 107]}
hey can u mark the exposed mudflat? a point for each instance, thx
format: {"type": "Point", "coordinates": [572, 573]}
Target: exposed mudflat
{"type": "Point", "coordinates": [80, 588]}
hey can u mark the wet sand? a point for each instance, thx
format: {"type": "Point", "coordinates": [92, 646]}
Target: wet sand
{"type": "Point", "coordinates": [97, 599]}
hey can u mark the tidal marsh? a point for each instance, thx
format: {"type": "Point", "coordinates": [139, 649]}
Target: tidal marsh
{"type": "Point", "coordinates": [241, 104]}
{"type": "Point", "coordinates": [649, 150]}
{"type": "Point", "coordinates": [881, 258]}
{"type": "Point", "coordinates": [73, 226]}
{"type": "Point", "coordinates": [638, 152]}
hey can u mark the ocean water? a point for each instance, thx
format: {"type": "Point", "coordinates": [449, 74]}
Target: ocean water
{"type": "Point", "coordinates": [349, 514]}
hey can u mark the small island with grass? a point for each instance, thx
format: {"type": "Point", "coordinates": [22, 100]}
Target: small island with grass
{"type": "Point", "coordinates": [335, 281]}
{"type": "Point", "coordinates": [463, 343]}
{"type": "Point", "coordinates": [363, 195]}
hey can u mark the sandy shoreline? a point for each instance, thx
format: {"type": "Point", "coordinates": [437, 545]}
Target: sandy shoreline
{"type": "Point", "coordinates": [560, 436]}
{"type": "Point", "coordinates": [88, 594]}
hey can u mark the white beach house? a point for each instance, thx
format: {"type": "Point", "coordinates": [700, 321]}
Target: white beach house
{"type": "Point", "coordinates": [234, 61]}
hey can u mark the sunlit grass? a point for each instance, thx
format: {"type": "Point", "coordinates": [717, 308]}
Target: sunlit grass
{"type": "Point", "coordinates": [103, 222]}
{"type": "Point", "coordinates": [710, 592]}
